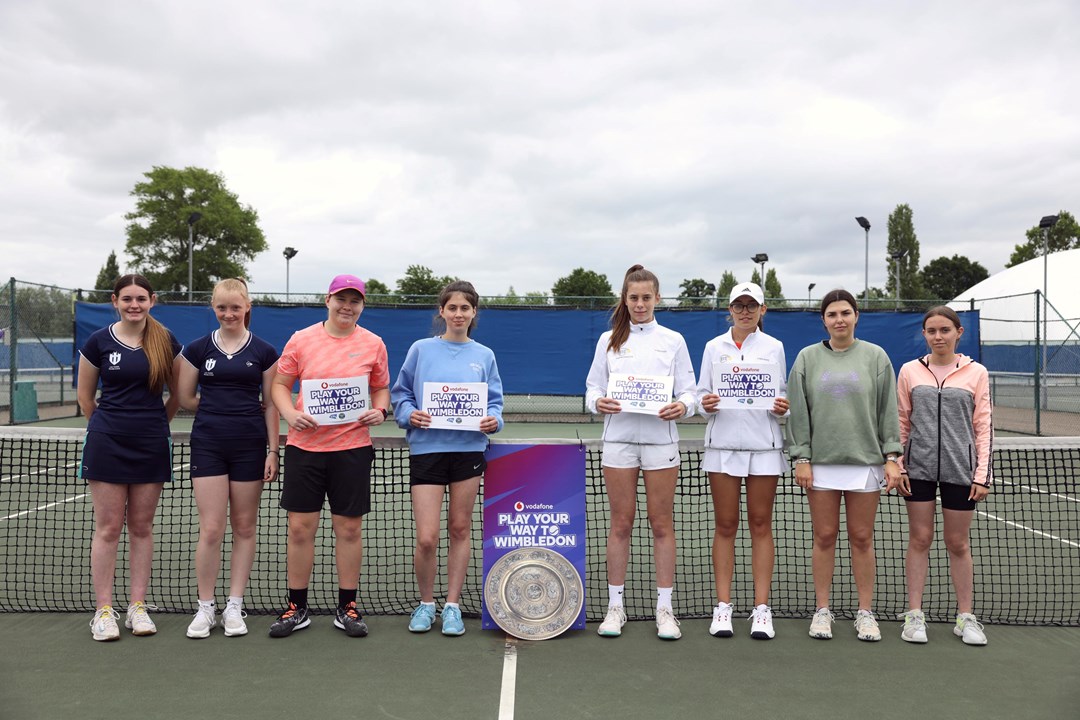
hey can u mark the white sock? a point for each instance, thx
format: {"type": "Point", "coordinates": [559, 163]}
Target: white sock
{"type": "Point", "coordinates": [237, 600]}
{"type": "Point", "coordinates": [451, 605]}
{"type": "Point", "coordinates": [663, 598]}
{"type": "Point", "coordinates": [208, 604]}
{"type": "Point", "coordinates": [427, 604]}
{"type": "Point", "coordinates": [614, 594]}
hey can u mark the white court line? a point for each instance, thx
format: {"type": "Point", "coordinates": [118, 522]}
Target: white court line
{"type": "Point", "coordinates": [12, 478]}
{"type": "Point", "coordinates": [43, 507]}
{"type": "Point", "coordinates": [1044, 492]}
{"type": "Point", "coordinates": [509, 680]}
{"type": "Point", "coordinates": [1030, 530]}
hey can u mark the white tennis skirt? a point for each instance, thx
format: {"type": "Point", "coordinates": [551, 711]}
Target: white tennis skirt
{"type": "Point", "coordinates": [741, 463]}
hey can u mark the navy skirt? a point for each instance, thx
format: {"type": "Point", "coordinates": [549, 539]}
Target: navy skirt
{"type": "Point", "coordinates": [126, 459]}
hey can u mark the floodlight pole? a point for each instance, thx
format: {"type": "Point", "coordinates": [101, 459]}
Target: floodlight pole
{"type": "Point", "coordinates": [809, 301]}
{"type": "Point", "coordinates": [289, 254]}
{"type": "Point", "coordinates": [865, 225]}
{"type": "Point", "coordinates": [192, 219]}
{"type": "Point", "coordinates": [761, 259]}
{"type": "Point", "coordinates": [1046, 224]}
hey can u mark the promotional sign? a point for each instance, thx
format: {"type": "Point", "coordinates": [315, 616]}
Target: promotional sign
{"type": "Point", "coordinates": [641, 393]}
{"type": "Point", "coordinates": [455, 406]}
{"type": "Point", "coordinates": [534, 539]}
{"type": "Point", "coordinates": [335, 401]}
{"type": "Point", "coordinates": [747, 385]}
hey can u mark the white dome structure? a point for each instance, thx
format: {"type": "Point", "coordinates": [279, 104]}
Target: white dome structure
{"type": "Point", "coordinates": [1007, 302]}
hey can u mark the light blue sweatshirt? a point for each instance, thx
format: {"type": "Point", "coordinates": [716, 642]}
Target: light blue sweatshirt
{"type": "Point", "coordinates": [443, 361]}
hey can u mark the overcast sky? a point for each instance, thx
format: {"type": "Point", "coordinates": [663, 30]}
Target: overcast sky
{"type": "Point", "coordinates": [509, 143]}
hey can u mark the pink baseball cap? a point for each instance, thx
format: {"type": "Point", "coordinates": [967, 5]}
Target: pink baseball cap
{"type": "Point", "coordinates": [346, 282]}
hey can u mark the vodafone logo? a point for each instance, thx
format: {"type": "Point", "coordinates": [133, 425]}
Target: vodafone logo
{"type": "Point", "coordinates": [326, 385]}
{"type": "Point", "coordinates": [735, 369]}
{"type": "Point", "coordinates": [519, 506]}
{"type": "Point", "coordinates": [446, 388]}
{"type": "Point", "coordinates": [630, 378]}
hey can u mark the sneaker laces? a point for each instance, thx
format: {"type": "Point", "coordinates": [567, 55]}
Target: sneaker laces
{"type": "Point", "coordinates": [970, 620]}
{"type": "Point", "coordinates": [351, 611]}
{"type": "Point", "coordinates": [760, 615]}
{"type": "Point", "coordinates": [666, 614]}
{"type": "Point", "coordinates": [913, 618]}
{"type": "Point", "coordinates": [140, 610]}
{"type": "Point", "coordinates": [106, 612]}
{"type": "Point", "coordinates": [292, 610]}
{"type": "Point", "coordinates": [234, 608]}
{"type": "Point", "coordinates": [723, 611]}
{"type": "Point", "coordinates": [865, 619]}
{"type": "Point", "coordinates": [824, 613]}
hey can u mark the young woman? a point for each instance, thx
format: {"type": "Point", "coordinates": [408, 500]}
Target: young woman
{"type": "Point", "coordinates": [127, 455]}
{"type": "Point", "coordinates": [743, 443]}
{"type": "Point", "coordinates": [234, 448]}
{"type": "Point", "coordinates": [844, 437]}
{"type": "Point", "coordinates": [444, 461]}
{"type": "Point", "coordinates": [634, 442]}
{"type": "Point", "coordinates": [329, 461]}
{"type": "Point", "coordinates": [947, 429]}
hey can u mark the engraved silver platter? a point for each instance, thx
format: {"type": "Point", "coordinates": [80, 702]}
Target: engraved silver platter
{"type": "Point", "coordinates": [534, 593]}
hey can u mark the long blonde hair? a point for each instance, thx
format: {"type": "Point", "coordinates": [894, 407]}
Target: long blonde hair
{"type": "Point", "coordinates": [238, 287]}
{"type": "Point", "coordinates": [620, 316]}
{"type": "Point", "coordinates": [156, 343]}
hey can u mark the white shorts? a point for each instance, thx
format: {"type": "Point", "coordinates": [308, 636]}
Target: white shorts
{"type": "Point", "coordinates": [849, 478]}
{"type": "Point", "coordinates": [635, 455]}
{"type": "Point", "coordinates": [740, 463]}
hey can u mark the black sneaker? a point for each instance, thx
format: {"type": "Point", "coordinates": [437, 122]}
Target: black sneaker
{"type": "Point", "coordinates": [348, 619]}
{"type": "Point", "coordinates": [293, 618]}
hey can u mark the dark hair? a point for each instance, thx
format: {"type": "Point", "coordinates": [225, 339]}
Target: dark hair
{"type": "Point", "coordinates": [620, 316]}
{"type": "Point", "coordinates": [942, 311]}
{"type": "Point", "coordinates": [458, 286]}
{"type": "Point", "coordinates": [238, 286]}
{"type": "Point", "coordinates": [838, 295]}
{"type": "Point", "coordinates": [155, 338]}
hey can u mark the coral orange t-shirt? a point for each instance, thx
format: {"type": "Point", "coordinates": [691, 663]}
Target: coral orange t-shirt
{"type": "Point", "coordinates": [314, 354]}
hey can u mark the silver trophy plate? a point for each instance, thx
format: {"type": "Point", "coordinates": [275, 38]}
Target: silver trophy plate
{"type": "Point", "coordinates": [534, 593]}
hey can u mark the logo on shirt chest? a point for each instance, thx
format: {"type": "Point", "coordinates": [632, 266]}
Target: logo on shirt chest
{"type": "Point", "coordinates": [210, 363]}
{"type": "Point", "coordinates": [114, 358]}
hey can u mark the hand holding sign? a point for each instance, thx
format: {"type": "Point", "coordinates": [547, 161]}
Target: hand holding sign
{"type": "Point", "coordinates": [746, 386]}
{"type": "Point", "coordinates": [334, 401]}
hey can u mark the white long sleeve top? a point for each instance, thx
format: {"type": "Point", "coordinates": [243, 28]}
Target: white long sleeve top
{"type": "Point", "coordinates": [729, 429]}
{"type": "Point", "coordinates": [649, 350]}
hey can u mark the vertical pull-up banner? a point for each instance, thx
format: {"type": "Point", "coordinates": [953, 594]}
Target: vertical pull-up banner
{"type": "Point", "coordinates": [534, 539]}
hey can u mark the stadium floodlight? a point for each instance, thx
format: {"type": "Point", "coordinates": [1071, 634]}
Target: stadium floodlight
{"type": "Point", "coordinates": [865, 225]}
{"type": "Point", "coordinates": [761, 259]}
{"type": "Point", "coordinates": [809, 289]}
{"type": "Point", "coordinates": [289, 253]}
{"type": "Point", "coordinates": [192, 219]}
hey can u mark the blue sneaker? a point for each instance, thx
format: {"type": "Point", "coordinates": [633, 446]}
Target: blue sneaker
{"type": "Point", "coordinates": [422, 618]}
{"type": "Point", "coordinates": [451, 621]}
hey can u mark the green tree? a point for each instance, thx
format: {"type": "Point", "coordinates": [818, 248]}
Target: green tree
{"type": "Point", "coordinates": [774, 293]}
{"type": "Point", "coordinates": [728, 281]}
{"type": "Point", "coordinates": [902, 238]}
{"type": "Point", "coordinates": [1065, 235]}
{"type": "Point", "coordinates": [696, 293]}
{"type": "Point", "coordinates": [225, 237]}
{"type": "Point", "coordinates": [44, 312]}
{"type": "Point", "coordinates": [510, 298]}
{"type": "Point", "coordinates": [106, 278]}
{"type": "Point", "coordinates": [535, 297]}
{"type": "Point", "coordinates": [945, 278]}
{"type": "Point", "coordinates": [421, 286]}
{"type": "Point", "coordinates": [582, 283]}
{"type": "Point", "coordinates": [377, 293]}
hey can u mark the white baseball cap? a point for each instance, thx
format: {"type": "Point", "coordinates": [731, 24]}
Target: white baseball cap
{"type": "Point", "coordinates": [751, 289]}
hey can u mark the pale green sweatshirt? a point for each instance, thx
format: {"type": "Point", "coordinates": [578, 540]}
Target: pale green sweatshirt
{"type": "Point", "coordinates": [843, 406]}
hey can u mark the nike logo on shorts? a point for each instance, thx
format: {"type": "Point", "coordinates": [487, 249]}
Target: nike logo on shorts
{"type": "Point", "coordinates": [671, 459]}
{"type": "Point", "coordinates": [477, 466]}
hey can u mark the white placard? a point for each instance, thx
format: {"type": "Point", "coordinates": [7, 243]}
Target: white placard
{"type": "Point", "coordinates": [746, 386]}
{"type": "Point", "coordinates": [455, 406]}
{"type": "Point", "coordinates": [335, 401]}
{"type": "Point", "coordinates": [644, 394]}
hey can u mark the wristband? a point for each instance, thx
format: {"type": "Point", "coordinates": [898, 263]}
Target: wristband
{"type": "Point", "coordinates": [385, 413]}
{"type": "Point", "coordinates": [802, 461]}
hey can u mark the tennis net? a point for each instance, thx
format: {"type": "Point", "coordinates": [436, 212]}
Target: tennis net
{"type": "Point", "coordinates": [1025, 540]}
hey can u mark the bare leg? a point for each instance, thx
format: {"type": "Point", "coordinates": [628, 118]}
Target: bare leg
{"type": "Point", "coordinates": [300, 548]}
{"type": "Point", "coordinates": [349, 549]}
{"type": "Point", "coordinates": [760, 495]}
{"type": "Point", "coordinates": [212, 499]}
{"type": "Point", "coordinates": [860, 509]}
{"type": "Point", "coordinates": [427, 503]}
{"type": "Point", "coordinates": [110, 506]}
{"type": "Point", "coordinates": [459, 522]}
{"type": "Point", "coordinates": [961, 566]}
{"type": "Point", "coordinates": [244, 514]}
{"type": "Point", "coordinates": [660, 501]}
{"type": "Point", "coordinates": [621, 486]}
{"type": "Point", "coordinates": [920, 538]}
{"type": "Point", "coordinates": [825, 518]}
{"type": "Point", "coordinates": [726, 493]}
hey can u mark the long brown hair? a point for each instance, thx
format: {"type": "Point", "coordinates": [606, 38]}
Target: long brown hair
{"type": "Point", "coordinates": [469, 292]}
{"type": "Point", "coordinates": [238, 287]}
{"type": "Point", "coordinates": [942, 311]}
{"type": "Point", "coordinates": [620, 316]}
{"type": "Point", "coordinates": [156, 343]}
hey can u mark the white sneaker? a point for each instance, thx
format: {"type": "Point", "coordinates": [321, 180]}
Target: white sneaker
{"type": "Point", "coordinates": [233, 619]}
{"type": "Point", "coordinates": [721, 620]}
{"type": "Point", "coordinates": [613, 622]}
{"type": "Point", "coordinates": [202, 623]}
{"type": "Point", "coordinates": [821, 624]}
{"type": "Point", "coordinates": [762, 628]}
{"type": "Point", "coordinates": [914, 626]}
{"type": "Point", "coordinates": [104, 626]}
{"type": "Point", "coordinates": [969, 629]}
{"type": "Point", "coordinates": [867, 626]}
{"type": "Point", "coordinates": [138, 620]}
{"type": "Point", "coordinates": [667, 627]}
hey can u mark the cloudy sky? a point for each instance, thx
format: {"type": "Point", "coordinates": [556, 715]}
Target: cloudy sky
{"type": "Point", "coordinates": [508, 143]}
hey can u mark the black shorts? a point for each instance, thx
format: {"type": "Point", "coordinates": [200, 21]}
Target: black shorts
{"type": "Point", "coordinates": [443, 468]}
{"type": "Point", "coordinates": [953, 497]}
{"type": "Point", "coordinates": [240, 459]}
{"type": "Point", "coordinates": [343, 476]}
{"type": "Point", "coordinates": [127, 459]}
